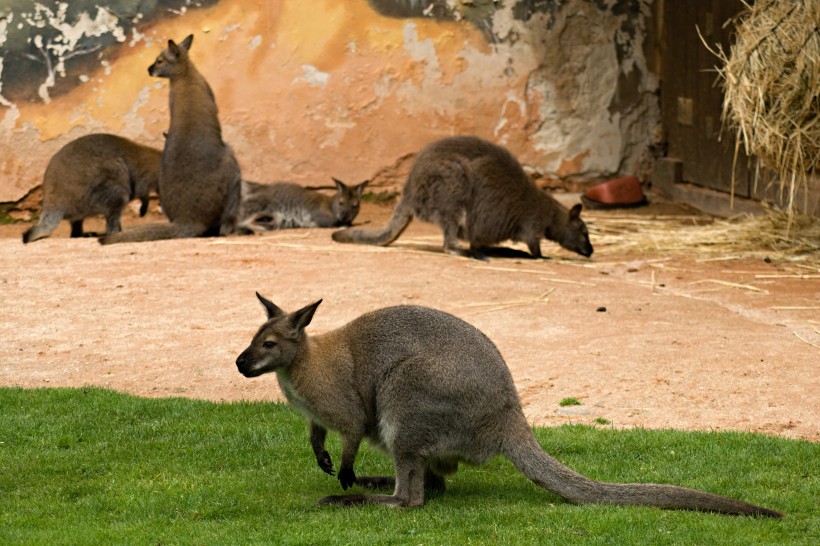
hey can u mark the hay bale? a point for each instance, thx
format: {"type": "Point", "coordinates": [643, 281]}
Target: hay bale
{"type": "Point", "coordinates": [771, 81]}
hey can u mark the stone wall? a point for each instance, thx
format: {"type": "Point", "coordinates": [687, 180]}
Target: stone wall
{"type": "Point", "coordinates": [310, 90]}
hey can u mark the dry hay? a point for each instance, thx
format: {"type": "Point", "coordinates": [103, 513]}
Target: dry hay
{"type": "Point", "coordinates": [775, 235]}
{"type": "Point", "coordinates": [771, 81]}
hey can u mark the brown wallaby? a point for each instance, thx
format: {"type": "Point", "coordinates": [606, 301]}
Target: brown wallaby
{"type": "Point", "coordinates": [477, 191]}
{"type": "Point", "coordinates": [281, 205]}
{"type": "Point", "coordinates": [432, 391]}
{"type": "Point", "coordinates": [95, 174]}
{"type": "Point", "coordinates": [200, 181]}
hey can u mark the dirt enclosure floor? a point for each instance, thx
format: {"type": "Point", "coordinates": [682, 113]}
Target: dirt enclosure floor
{"type": "Point", "coordinates": [641, 339]}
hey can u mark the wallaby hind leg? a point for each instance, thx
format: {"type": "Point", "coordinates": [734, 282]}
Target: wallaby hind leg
{"type": "Point", "coordinates": [451, 243]}
{"type": "Point", "coordinates": [49, 220]}
{"type": "Point", "coordinates": [409, 490]}
{"type": "Point", "coordinates": [112, 221]}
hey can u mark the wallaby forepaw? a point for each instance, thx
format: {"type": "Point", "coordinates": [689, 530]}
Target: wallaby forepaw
{"type": "Point", "coordinates": [325, 463]}
{"type": "Point", "coordinates": [347, 477]}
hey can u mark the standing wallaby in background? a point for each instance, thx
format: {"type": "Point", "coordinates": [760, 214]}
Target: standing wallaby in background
{"type": "Point", "coordinates": [432, 391]}
{"type": "Point", "coordinates": [95, 174]}
{"type": "Point", "coordinates": [199, 182]}
{"type": "Point", "coordinates": [266, 207]}
{"type": "Point", "coordinates": [478, 192]}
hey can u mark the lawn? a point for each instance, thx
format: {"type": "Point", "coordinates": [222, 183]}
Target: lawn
{"type": "Point", "coordinates": [92, 466]}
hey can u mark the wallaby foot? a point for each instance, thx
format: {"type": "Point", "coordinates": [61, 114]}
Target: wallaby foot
{"type": "Point", "coordinates": [432, 482]}
{"type": "Point", "coordinates": [376, 482]}
{"type": "Point", "coordinates": [471, 253]}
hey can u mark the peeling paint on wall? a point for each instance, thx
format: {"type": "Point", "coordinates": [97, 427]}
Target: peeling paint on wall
{"type": "Point", "coordinates": [312, 90]}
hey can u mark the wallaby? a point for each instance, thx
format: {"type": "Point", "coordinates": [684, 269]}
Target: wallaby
{"type": "Point", "coordinates": [266, 207]}
{"type": "Point", "coordinates": [432, 391]}
{"type": "Point", "coordinates": [95, 174]}
{"type": "Point", "coordinates": [477, 191]}
{"type": "Point", "coordinates": [199, 180]}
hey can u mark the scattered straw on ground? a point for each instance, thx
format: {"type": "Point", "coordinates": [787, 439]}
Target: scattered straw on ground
{"type": "Point", "coordinates": [771, 235]}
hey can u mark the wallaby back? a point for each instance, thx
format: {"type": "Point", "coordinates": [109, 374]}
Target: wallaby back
{"type": "Point", "coordinates": [95, 174]}
{"type": "Point", "coordinates": [478, 192]}
{"type": "Point", "coordinates": [433, 391]}
{"type": "Point", "coordinates": [200, 179]}
{"type": "Point", "coordinates": [282, 205]}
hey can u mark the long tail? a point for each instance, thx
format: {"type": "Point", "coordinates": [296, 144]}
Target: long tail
{"type": "Point", "coordinates": [153, 232]}
{"type": "Point", "coordinates": [535, 463]}
{"type": "Point", "coordinates": [49, 220]}
{"type": "Point", "coordinates": [402, 215]}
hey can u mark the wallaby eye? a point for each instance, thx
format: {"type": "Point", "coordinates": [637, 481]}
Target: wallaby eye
{"type": "Point", "coordinates": [264, 219]}
{"type": "Point", "coordinates": [269, 344]}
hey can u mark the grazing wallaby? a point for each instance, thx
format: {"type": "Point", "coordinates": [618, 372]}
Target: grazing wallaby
{"type": "Point", "coordinates": [95, 174]}
{"type": "Point", "coordinates": [200, 181]}
{"type": "Point", "coordinates": [477, 191]}
{"type": "Point", "coordinates": [432, 391]}
{"type": "Point", "coordinates": [266, 207]}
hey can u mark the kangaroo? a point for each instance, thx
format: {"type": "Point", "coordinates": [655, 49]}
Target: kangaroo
{"type": "Point", "coordinates": [95, 174]}
{"type": "Point", "coordinates": [199, 179]}
{"type": "Point", "coordinates": [432, 391]}
{"type": "Point", "coordinates": [477, 191]}
{"type": "Point", "coordinates": [266, 207]}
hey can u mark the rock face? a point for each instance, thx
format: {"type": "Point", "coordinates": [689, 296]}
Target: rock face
{"type": "Point", "coordinates": [309, 90]}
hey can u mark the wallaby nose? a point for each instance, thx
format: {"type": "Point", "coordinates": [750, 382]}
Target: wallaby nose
{"type": "Point", "coordinates": [240, 361]}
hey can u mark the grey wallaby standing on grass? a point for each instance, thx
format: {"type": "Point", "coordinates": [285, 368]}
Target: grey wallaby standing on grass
{"type": "Point", "coordinates": [95, 174]}
{"type": "Point", "coordinates": [200, 181]}
{"type": "Point", "coordinates": [281, 205]}
{"type": "Point", "coordinates": [432, 391]}
{"type": "Point", "coordinates": [477, 191]}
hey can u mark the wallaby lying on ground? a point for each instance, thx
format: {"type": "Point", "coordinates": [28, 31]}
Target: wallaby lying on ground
{"type": "Point", "coordinates": [200, 181]}
{"type": "Point", "coordinates": [266, 207]}
{"type": "Point", "coordinates": [477, 191]}
{"type": "Point", "coordinates": [95, 174]}
{"type": "Point", "coordinates": [432, 391]}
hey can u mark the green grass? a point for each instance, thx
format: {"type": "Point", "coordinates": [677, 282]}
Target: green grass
{"type": "Point", "coordinates": [571, 401]}
{"type": "Point", "coordinates": [91, 466]}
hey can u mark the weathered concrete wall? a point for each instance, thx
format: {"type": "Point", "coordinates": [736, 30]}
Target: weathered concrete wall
{"type": "Point", "coordinates": [351, 89]}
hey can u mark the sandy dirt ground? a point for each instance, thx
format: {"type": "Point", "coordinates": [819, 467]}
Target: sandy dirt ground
{"type": "Point", "coordinates": [652, 340]}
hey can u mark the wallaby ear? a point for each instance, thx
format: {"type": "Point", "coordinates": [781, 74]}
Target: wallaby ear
{"type": "Point", "coordinates": [575, 212]}
{"type": "Point", "coordinates": [272, 309]}
{"type": "Point", "coordinates": [341, 186]}
{"type": "Point", "coordinates": [173, 49]}
{"type": "Point", "coordinates": [360, 188]}
{"type": "Point", "coordinates": [186, 43]}
{"type": "Point", "coordinates": [301, 318]}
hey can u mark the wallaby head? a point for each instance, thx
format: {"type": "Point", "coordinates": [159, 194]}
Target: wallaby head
{"type": "Point", "coordinates": [576, 235]}
{"type": "Point", "coordinates": [275, 345]}
{"type": "Point", "coordinates": [168, 62]}
{"type": "Point", "coordinates": [346, 202]}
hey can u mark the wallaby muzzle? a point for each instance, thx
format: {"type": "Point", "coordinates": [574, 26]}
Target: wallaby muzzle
{"type": "Point", "coordinates": [246, 367]}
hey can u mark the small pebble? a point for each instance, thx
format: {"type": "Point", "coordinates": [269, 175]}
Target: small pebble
{"type": "Point", "coordinates": [601, 310]}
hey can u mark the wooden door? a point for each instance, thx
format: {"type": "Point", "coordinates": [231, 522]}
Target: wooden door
{"type": "Point", "coordinates": [691, 96]}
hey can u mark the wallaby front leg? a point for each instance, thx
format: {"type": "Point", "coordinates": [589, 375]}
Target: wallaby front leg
{"type": "Point", "coordinates": [318, 434]}
{"type": "Point", "coordinates": [350, 447]}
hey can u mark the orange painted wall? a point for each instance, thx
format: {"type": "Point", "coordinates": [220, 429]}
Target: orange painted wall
{"type": "Point", "coordinates": [310, 90]}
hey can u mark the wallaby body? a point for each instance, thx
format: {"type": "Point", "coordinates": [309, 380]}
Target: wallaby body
{"type": "Point", "coordinates": [95, 174]}
{"type": "Point", "coordinates": [282, 205]}
{"type": "Point", "coordinates": [432, 391]}
{"type": "Point", "coordinates": [200, 181]}
{"type": "Point", "coordinates": [477, 191]}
